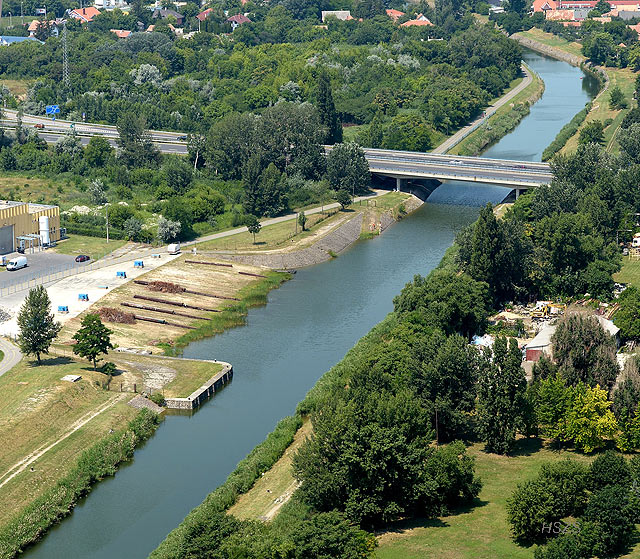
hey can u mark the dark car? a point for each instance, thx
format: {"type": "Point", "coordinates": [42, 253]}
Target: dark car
{"type": "Point", "coordinates": [182, 138]}
{"type": "Point", "coordinates": [82, 258]}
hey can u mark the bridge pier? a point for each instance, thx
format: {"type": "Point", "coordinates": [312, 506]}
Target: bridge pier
{"type": "Point", "coordinates": [400, 184]}
{"type": "Point", "coordinates": [518, 191]}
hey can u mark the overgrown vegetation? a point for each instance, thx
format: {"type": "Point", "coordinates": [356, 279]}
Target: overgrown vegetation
{"type": "Point", "coordinates": [567, 131]}
{"type": "Point", "coordinates": [96, 463]}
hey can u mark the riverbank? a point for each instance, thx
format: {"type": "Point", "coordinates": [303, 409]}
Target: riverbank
{"type": "Point", "coordinates": [571, 52]}
{"type": "Point", "coordinates": [503, 119]}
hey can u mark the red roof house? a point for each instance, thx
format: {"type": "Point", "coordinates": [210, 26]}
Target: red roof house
{"type": "Point", "coordinates": [420, 20]}
{"type": "Point", "coordinates": [85, 15]}
{"type": "Point", "coordinates": [395, 15]}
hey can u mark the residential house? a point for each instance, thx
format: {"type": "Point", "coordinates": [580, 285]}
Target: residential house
{"type": "Point", "coordinates": [202, 16]}
{"type": "Point", "coordinates": [85, 15]}
{"type": "Point", "coordinates": [343, 15]}
{"type": "Point", "coordinates": [419, 20]}
{"type": "Point", "coordinates": [111, 4]}
{"type": "Point", "coordinates": [164, 13]}
{"type": "Point", "coordinates": [395, 15]}
{"type": "Point", "coordinates": [54, 27]}
{"type": "Point", "coordinates": [121, 33]}
{"type": "Point", "coordinates": [237, 20]}
{"type": "Point", "coordinates": [636, 28]}
{"type": "Point", "coordinates": [6, 40]}
{"type": "Point", "coordinates": [544, 5]}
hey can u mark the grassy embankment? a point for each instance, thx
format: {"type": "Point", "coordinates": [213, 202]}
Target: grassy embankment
{"type": "Point", "coordinates": [600, 110]}
{"type": "Point", "coordinates": [1, 355]}
{"type": "Point", "coordinates": [289, 234]}
{"type": "Point", "coordinates": [95, 247]}
{"type": "Point", "coordinates": [46, 425]}
{"type": "Point", "coordinates": [505, 119]}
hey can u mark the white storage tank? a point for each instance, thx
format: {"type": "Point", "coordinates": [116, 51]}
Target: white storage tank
{"type": "Point", "coordinates": [45, 237]}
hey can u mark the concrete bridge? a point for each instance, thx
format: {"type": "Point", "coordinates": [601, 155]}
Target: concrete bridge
{"type": "Point", "coordinates": [404, 165]}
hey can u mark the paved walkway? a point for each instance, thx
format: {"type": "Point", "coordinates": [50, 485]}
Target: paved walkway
{"type": "Point", "coordinates": [273, 220]}
{"type": "Point", "coordinates": [12, 356]}
{"type": "Point", "coordinates": [445, 146]}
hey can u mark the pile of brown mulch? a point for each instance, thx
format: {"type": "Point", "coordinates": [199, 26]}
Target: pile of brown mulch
{"type": "Point", "coordinates": [165, 287]}
{"type": "Point", "coordinates": [116, 315]}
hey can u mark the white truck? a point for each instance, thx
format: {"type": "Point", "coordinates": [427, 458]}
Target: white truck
{"type": "Point", "coordinates": [174, 248]}
{"type": "Point", "coordinates": [17, 263]}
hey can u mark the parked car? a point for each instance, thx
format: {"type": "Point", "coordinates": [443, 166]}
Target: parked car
{"type": "Point", "coordinates": [17, 263]}
{"type": "Point", "coordinates": [174, 248]}
{"type": "Point", "coordinates": [38, 125]}
{"type": "Point", "coordinates": [82, 258]}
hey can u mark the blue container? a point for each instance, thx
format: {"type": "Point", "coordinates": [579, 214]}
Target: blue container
{"type": "Point", "coordinates": [121, 274]}
{"type": "Point", "coordinates": [83, 296]}
{"type": "Point", "coordinates": [138, 264]}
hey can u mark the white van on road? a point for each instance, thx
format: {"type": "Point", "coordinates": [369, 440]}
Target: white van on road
{"type": "Point", "coordinates": [17, 263]}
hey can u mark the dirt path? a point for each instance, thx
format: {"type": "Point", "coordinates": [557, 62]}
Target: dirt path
{"type": "Point", "coordinates": [281, 501]}
{"type": "Point", "coordinates": [23, 464]}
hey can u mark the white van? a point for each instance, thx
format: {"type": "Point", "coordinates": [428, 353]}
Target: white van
{"type": "Point", "coordinates": [173, 248]}
{"type": "Point", "coordinates": [17, 263]}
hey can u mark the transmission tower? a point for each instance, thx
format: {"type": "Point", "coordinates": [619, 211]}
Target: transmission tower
{"type": "Point", "coordinates": [65, 59]}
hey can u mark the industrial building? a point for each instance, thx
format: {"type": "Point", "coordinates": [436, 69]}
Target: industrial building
{"type": "Point", "coordinates": [27, 225]}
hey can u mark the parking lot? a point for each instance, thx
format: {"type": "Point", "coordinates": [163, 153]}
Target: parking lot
{"type": "Point", "coordinates": [39, 263]}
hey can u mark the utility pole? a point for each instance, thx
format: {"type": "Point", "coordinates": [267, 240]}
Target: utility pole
{"type": "Point", "coordinates": [106, 206]}
{"type": "Point", "coordinates": [65, 60]}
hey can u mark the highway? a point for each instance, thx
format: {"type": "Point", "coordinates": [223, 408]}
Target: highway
{"type": "Point", "coordinates": [390, 163]}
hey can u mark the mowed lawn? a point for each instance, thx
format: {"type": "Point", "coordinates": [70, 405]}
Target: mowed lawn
{"type": "Point", "coordinates": [480, 531]}
{"type": "Point", "coordinates": [192, 375]}
{"type": "Point", "coordinates": [553, 41]}
{"type": "Point", "coordinates": [95, 247]}
{"type": "Point", "coordinates": [630, 272]}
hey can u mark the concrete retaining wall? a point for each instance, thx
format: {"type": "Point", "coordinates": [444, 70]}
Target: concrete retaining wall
{"type": "Point", "coordinates": [204, 392]}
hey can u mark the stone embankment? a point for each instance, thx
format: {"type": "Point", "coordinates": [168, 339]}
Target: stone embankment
{"type": "Point", "coordinates": [553, 52]}
{"type": "Point", "coordinates": [207, 390]}
{"type": "Point", "coordinates": [331, 244]}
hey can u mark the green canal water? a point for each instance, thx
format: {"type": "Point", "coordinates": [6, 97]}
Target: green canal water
{"type": "Point", "coordinates": [306, 328]}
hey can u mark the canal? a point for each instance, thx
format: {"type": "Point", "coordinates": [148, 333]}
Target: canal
{"type": "Point", "coordinates": [306, 328]}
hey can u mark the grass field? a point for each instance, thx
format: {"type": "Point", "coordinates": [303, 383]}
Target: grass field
{"type": "Point", "coordinates": [278, 235]}
{"type": "Point", "coordinates": [624, 78]}
{"type": "Point", "coordinates": [190, 378]}
{"type": "Point", "coordinates": [18, 88]}
{"type": "Point", "coordinates": [286, 233]}
{"type": "Point", "coordinates": [37, 408]}
{"type": "Point", "coordinates": [1, 355]}
{"type": "Point", "coordinates": [630, 272]}
{"type": "Point", "coordinates": [95, 247]}
{"type": "Point", "coordinates": [480, 531]}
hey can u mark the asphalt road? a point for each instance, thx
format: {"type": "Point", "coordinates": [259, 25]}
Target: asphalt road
{"type": "Point", "coordinates": [12, 356]}
{"type": "Point", "coordinates": [38, 264]}
{"type": "Point", "coordinates": [387, 162]}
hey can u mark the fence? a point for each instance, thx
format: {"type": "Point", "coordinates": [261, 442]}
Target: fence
{"type": "Point", "coordinates": [20, 284]}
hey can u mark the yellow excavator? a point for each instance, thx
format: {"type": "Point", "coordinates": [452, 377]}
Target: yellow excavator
{"type": "Point", "coordinates": [543, 311]}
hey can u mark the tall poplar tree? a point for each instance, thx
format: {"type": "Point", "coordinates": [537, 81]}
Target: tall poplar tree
{"type": "Point", "coordinates": [501, 393]}
{"type": "Point", "coordinates": [327, 110]}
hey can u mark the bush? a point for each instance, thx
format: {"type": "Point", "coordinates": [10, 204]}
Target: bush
{"type": "Point", "coordinates": [158, 399]}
